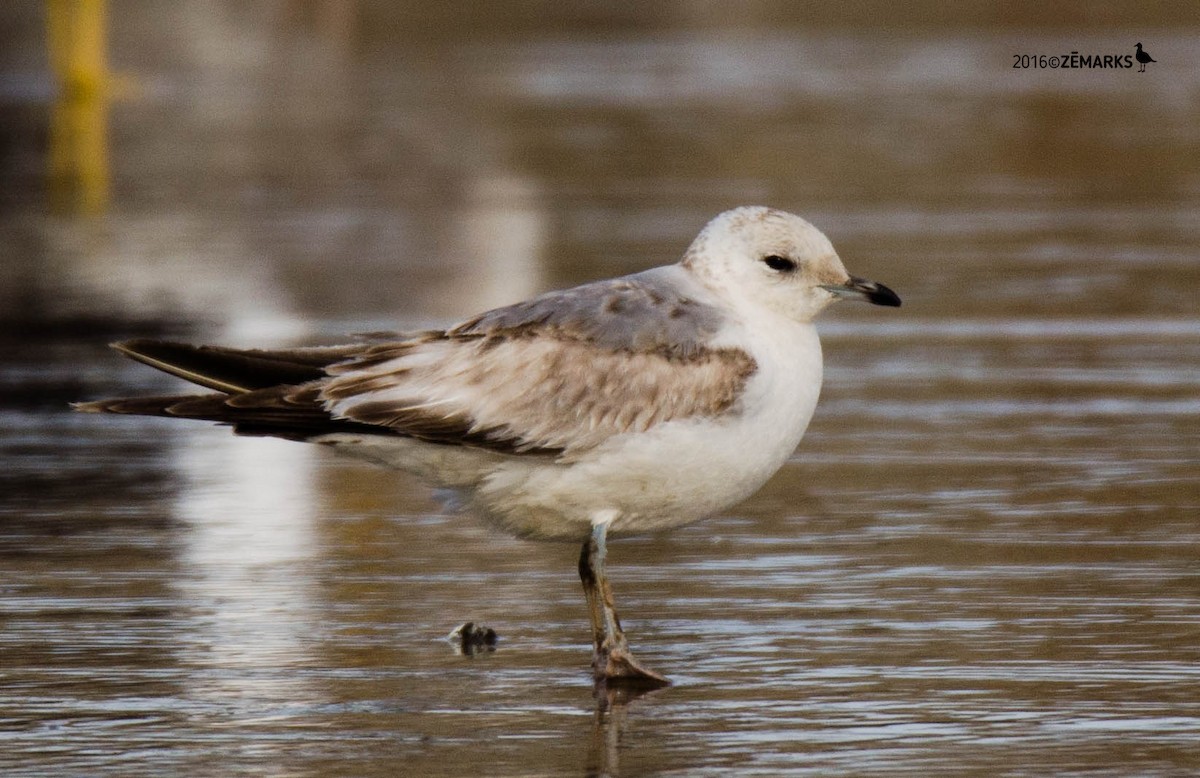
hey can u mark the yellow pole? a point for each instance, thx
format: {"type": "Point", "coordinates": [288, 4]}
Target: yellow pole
{"type": "Point", "coordinates": [78, 159]}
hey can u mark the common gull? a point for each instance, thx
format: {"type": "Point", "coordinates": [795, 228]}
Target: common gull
{"type": "Point", "coordinates": [624, 406]}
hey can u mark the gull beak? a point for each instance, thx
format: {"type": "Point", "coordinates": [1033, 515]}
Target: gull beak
{"type": "Point", "coordinates": [862, 289]}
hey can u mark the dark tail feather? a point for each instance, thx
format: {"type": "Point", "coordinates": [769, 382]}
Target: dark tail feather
{"type": "Point", "coordinates": [235, 371]}
{"type": "Point", "coordinates": [258, 392]}
{"type": "Point", "coordinates": [274, 416]}
{"type": "Point", "coordinates": [139, 406]}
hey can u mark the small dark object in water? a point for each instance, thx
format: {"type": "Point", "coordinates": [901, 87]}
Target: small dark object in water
{"type": "Point", "coordinates": [471, 638]}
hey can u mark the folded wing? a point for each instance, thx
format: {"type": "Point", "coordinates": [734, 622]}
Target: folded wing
{"type": "Point", "coordinates": [556, 375]}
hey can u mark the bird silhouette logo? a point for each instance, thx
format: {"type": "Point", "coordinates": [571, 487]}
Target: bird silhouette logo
{"type": "Point", "coordinates": [1142, 58]}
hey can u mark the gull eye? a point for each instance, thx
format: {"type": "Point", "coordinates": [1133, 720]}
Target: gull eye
{"type": "Point", "coordinates": [779, 264]}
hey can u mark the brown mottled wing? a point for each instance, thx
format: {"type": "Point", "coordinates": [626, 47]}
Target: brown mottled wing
{"type": "Point", "coordinates": [559, 374]}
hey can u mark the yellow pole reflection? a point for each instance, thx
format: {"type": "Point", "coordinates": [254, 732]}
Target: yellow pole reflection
{"type": "Point", "coordinates": [79, 125]}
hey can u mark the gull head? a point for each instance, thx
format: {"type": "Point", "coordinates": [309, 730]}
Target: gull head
{"type": "Point", "coordinates": [769, 258]}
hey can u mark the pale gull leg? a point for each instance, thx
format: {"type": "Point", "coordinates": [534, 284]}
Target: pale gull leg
{"type": "Point", "coordinates": [612, 661]}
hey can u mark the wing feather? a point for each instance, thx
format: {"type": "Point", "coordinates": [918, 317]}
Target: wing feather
{"type": "Point", "coordinates": [559, 374]}
{"type": "Point", "coordinates": [555, 375]}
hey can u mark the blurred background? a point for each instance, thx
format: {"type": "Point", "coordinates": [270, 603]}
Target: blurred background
{"type": "Point", "coordinates": [983, 559]}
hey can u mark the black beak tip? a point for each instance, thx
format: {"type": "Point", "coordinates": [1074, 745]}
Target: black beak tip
{"type": "Point", "coordinates": [881, 295]}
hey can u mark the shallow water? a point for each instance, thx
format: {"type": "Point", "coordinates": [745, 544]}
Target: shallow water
{"type": "Point", "coordinates": [983, 559]}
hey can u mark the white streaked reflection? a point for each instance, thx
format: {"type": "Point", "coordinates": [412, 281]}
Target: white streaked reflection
{"type": "Point", "coordinates": [248, 557]}
{"type": "Point", "coordinates": [498, 245]}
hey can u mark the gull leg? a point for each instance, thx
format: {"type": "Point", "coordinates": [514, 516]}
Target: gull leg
{"type": "Point", "coordinates": [612, 661]}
